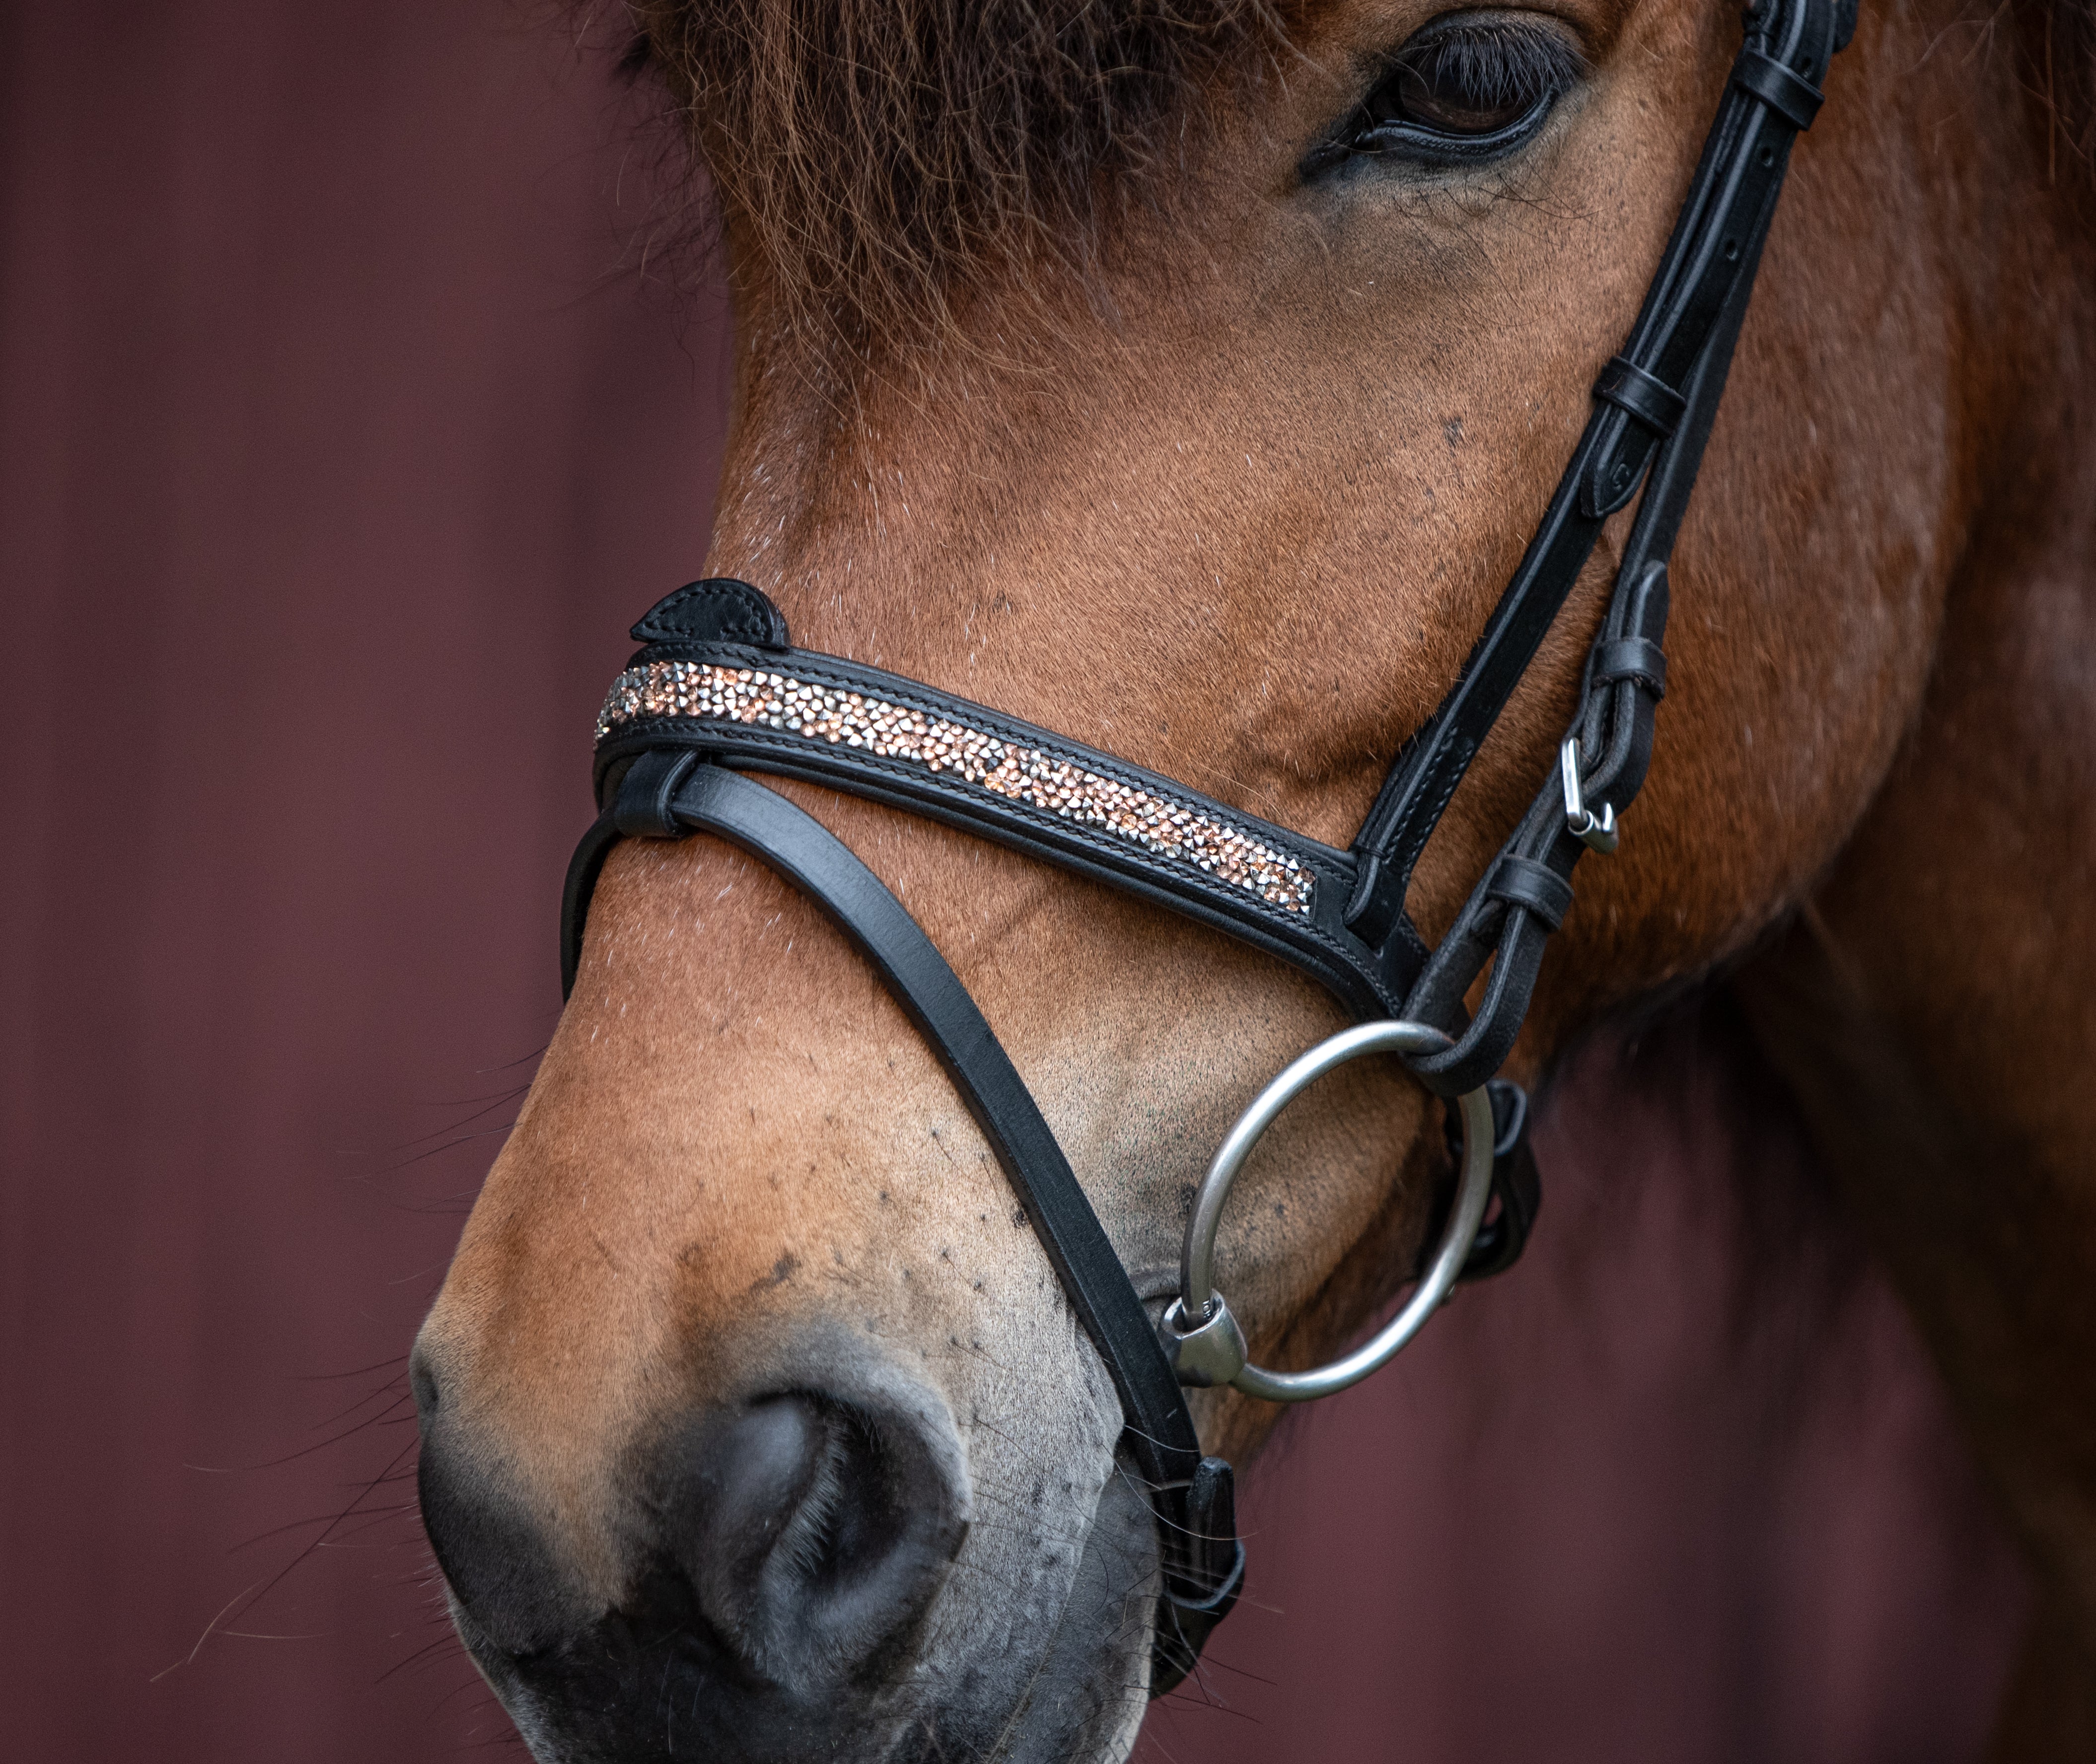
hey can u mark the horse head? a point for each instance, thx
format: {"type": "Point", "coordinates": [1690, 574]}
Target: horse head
{"type": "Point", "coordinates": [1190, 381]}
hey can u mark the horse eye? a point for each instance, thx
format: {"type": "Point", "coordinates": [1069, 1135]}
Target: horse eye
{"type": "Point", "coordinates": [1466, 81]}
{"type": "Point", "coordinates": [1447, 85]}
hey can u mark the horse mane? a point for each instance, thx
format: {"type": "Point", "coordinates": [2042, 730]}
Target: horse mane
{"type": "Point", "coordinates": [882, 153]}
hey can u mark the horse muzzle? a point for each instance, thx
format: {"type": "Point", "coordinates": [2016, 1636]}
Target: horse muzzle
{"type": "Point", "coordinates": [775, 1559]}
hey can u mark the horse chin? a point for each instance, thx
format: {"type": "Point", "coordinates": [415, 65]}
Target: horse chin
{"type": "Point", "coordinates": [1047, 1668]}
{"type": "Point", "coordinates": [1077, 1695]}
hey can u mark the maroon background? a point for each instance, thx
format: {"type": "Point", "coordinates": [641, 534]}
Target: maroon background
{"type": "Point", "coordinates": [338, 442]}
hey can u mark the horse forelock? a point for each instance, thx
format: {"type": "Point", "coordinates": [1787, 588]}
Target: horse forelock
{"type": "Point", "coordinates": [882, 155]}
{"type": "Point", "coordinates": [878, 155]}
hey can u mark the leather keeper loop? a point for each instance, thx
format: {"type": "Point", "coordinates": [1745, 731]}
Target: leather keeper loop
{"type": "Point", "coordinates": [1535, 888]}
{"type": "Point", "coordinates": [1632, 658]}
{"type": "Point", "coordinates": [1643, 396]}
{"type": "Point", "coordinates": [641, 809]}
{"type": "Point", "coordinates": [1795, 100]}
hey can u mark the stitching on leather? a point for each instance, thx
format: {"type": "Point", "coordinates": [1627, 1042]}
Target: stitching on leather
{"type": "Point", "coordinates": [759, 618]}
{"type": "Point", "coordinates": [1450, 765]}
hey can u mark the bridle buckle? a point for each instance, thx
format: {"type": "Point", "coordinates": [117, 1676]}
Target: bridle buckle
{"type": "Point", "coordinates": [1597, 833]}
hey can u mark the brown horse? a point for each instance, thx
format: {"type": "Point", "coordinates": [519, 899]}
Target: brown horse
{"type": "Point", "coordinates": [1072, 380]}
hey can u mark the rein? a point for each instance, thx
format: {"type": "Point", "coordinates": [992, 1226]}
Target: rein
{"type": "Point", "coordinates": [718, 692]}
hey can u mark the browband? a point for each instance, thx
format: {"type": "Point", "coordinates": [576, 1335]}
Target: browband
{"type": "Point", "coordinates": [718, 692]}
{"type": "Point", "coordinates": [872, 734]}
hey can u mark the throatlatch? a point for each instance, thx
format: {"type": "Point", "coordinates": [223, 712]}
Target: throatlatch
{"type": "Point", "coordinates": [718, 692]}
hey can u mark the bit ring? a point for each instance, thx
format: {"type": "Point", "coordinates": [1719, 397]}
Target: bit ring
{"type": "Point", "coordinates": [1208, 1348]}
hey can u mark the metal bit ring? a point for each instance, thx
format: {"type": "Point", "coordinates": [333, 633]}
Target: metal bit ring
{"type": "Point", "coordinates": [1209, 1348]}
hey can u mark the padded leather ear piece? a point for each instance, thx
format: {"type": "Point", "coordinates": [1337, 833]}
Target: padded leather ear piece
{"type": "Point", "coordinates": [715, 609]}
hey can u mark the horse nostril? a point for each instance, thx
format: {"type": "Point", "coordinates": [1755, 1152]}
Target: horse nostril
{"type": "Point", "coordinates": [813, 1533]}
{"type": "Point", "coordinates": [422, 1383]}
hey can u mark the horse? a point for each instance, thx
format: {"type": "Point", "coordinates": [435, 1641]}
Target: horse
{"type": "Point", "coordinates": [1189, 377]}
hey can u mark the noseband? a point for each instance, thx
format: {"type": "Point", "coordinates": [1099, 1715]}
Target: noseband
{"type": "Point", "coordinates": [718, 692]}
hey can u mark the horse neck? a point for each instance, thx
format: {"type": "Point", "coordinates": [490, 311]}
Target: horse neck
{"type": "Point", "coordinates": [1954, 928]}
{"type": "Point", "coordinates": [2005, 747]}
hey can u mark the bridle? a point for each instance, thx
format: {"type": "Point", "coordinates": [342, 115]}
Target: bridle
{"type": "Point", "coordinates": [718, 692]}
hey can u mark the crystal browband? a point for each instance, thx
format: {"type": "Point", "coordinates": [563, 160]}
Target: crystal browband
{"type": "Point", "coordinates": [783, 702]}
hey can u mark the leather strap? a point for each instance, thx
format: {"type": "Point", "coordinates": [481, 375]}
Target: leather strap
{"type": "Point", "coordinates": [1708, 261]}
{"type": "Point", "coordinates": [1517, 1190]}
{"type": "Point", "coordinates": [667, 793]}
{"type": "Point", "coordinates": [1614, 728]}
{"type": "Point", "coordinates": [645, 804]}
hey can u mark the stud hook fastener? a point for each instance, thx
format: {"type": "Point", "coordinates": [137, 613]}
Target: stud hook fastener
{"type": "Point", "coordinates": [1597, 832]}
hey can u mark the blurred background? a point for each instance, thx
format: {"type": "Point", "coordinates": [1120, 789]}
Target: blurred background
{"type": "Point", "coordinates": [343, 430]}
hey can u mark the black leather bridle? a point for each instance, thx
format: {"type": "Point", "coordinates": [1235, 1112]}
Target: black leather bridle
{"type": "Point", "coordinates": [719, 692]}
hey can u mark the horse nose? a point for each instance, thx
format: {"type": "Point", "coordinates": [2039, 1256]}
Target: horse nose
{"type": "Point", "coordinates": [769, 1554]}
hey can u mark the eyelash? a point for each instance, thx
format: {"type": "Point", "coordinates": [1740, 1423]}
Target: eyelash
{"type": "Point", "coordinates": [1509, 60]}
